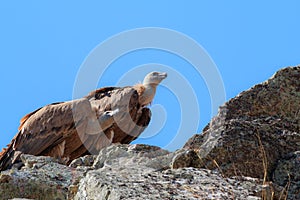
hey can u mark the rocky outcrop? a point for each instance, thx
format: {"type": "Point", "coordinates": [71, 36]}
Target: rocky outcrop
{"type": "Point", "coordinates": [287, 175]}
{"type": "Point", "coordinates": [41, 178]}
{"type": "Point", "coordinates": [250, 150]}
{"type": "Point", "coordinates": [122, 172]}
{"type": "Point", "coordinates": [254, 132]}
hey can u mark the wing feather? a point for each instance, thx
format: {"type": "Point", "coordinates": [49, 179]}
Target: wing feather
{"type": "Point", "coordinates": [26, 117]}
{"type": "Point", "coordinates": [60, 129]}
{"type": "Point", "coordinates": [50, 125]}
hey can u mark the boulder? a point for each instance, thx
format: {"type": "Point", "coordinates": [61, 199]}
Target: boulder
{"type": "Point", "coordinates": [123, 172]}
{"type": "Point", "coordinates": [254, 133]}
{"type": "Point", "coordinates": [41, 178]}
{"type": "Point", "coordinates": [254, 130]}
{"type": "Point", "coordinates": [287, 175]}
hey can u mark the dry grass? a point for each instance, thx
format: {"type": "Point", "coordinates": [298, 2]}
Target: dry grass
{"type": "Point", "coordinates": [267, 191]}
{"type": "Point", "coordinates": [284, 192]}
{"type": "Point", "coordinates": [264, 158]}
{"type": "Point", "coordinates": [269, 195]}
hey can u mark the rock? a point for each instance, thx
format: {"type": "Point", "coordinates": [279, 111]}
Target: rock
{"type": "Point", "coordinates": [287, 174]}
{"type": "Point", "coordinates": [248, 147]}
{"type": "Point", "coordinates": [122, 172]}
{"type": "Point", "coordinates": [255, 129]}
{"type": "Point", "coordinates": [87, 160]}
{"type": "Point", "coordinates": [188, 158]}
{"type": "Point", "coordinates": [122, 156]}
{"type": "Point", "coordinates": [31, 161]}
{"type": "Point", "coordinates": [184, 183]}
{"type": "Point", "coordinates": [41, 178]}
{"type": "Point", "coordinates": [278, 97]}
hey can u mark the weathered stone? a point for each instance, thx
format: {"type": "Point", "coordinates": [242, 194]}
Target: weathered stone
{"type": "Point", "coordinates": [126, 172]}
{"type": "Point", "coordinates": [255, 129]}
{"type": "Point", "coordinates": [31, 161]}
{"type": "Point", "coordinates": [47, 180]}
{"type": "Point", "coordinates": [287, 174]}
{"type": "Point", "coordinates": [184, 183]}
{"type": "Point", "coordinates": [132, 156]}
{"type": "Point", "coordinates": [87, 160]}
{"type": "Point", "coordinates": [278, 97]}
{"type": "Point", "coordinates": [186, 158]}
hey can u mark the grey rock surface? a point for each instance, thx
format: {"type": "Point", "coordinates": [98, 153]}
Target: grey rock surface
{"type": "Point", "coordinates": [287, 174]}
{"type": "Point", "coordinates": [122, 172]}
{"type": "Point", "coordinates": [41, 178]}
{"type": "Point", "coordinates": [254, 130]}
{"type": "Point", "coordinates": [184, 183]}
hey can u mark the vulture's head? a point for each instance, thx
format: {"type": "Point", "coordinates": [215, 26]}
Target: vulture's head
{"type": "Point", "coordinates": [154, 78]}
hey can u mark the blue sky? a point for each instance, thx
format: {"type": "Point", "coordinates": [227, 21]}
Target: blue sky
{"type": "Point", "coordinates": [43, 45]}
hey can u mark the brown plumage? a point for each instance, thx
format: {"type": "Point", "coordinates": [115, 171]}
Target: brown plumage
{"type": "Point", "coordinates": [65, 130]}
{"type": "Point", "coordinates": [68, 130]}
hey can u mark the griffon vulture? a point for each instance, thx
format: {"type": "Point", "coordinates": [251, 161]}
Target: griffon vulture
{"type": "Point", "coordinates": [68, 130]}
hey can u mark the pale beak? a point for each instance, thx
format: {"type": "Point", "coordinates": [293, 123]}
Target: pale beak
{"type": "Point", "coordinates": [163, 75]}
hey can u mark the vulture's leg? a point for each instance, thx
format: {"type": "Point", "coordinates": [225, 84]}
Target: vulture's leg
{"type": "Point", "coordinates": [105, 120]}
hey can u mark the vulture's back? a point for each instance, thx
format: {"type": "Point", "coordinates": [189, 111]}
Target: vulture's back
{"type": "Point", "coordinates": [63, 130]}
